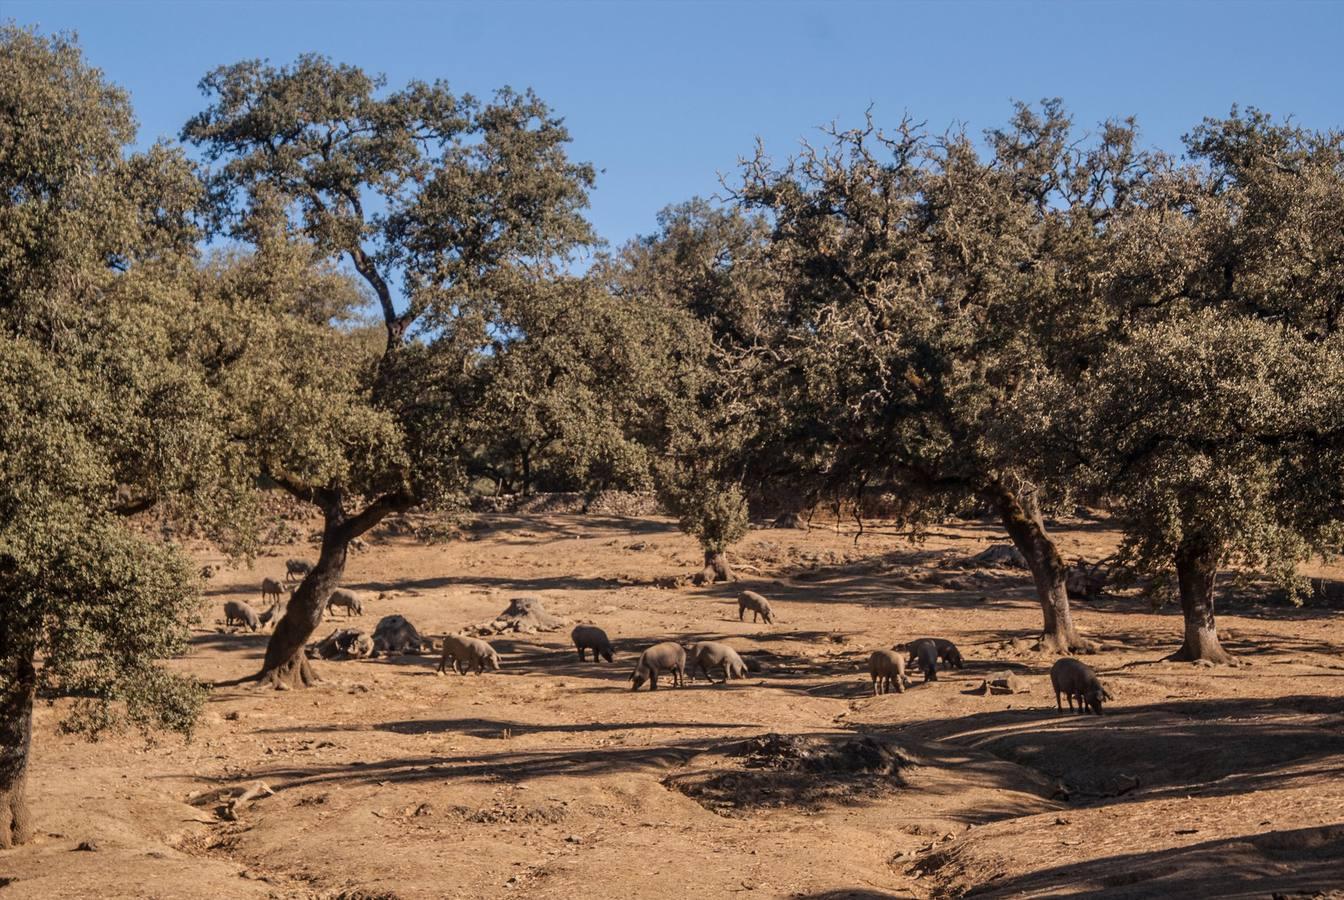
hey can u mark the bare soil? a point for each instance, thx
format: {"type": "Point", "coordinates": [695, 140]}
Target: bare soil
{"type": "Point", "coordinates": [551, 779]}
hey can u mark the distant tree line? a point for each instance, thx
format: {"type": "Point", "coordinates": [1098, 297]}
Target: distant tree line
{"type": "Point", "coordinates": [371, 298]}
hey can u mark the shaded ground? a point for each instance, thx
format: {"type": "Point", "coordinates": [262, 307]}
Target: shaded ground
{"type": "Point", "coordinates": [551, 779]}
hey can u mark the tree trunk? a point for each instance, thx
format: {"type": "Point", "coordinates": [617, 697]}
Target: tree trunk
{"type": "Point", "coordinates": [1196, 571]}
{"type": "Point", "coordinates": [16, 738]}
{"type": "Point", "coordinates": [716, 568]}
{"type": "Point", "coordinates": [1021, 517]}
{"type": "Point", "coordinates": [285, 665]}
{"type": "Point", "coordinates": [527, 472]}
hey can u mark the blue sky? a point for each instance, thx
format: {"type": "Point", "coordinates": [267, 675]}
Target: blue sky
{"type": "Point", "coordinates": [662, 97]}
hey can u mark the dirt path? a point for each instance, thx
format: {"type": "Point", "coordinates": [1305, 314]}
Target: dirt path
{"type": "Point", "coordinates": [551, 779]}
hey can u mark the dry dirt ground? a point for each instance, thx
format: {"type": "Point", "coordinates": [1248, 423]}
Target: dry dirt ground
{"type": "Point", "coordinates": [551, 779]}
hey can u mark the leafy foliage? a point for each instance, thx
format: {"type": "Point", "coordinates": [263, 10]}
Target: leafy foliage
{"type": "Point", "coordinates": [102, 410]}
{"type": "Point", "coordinates": [705, 268]}
{"type": "Point", "coordinates": [714, 514]}
{"type": "Point", "coordinates": [924, 287]}
{"type": "Point", "coordinates": [1222, 428]}
{"type": "Point", "coordinates": [574, 391]}
{"type": "Point", "coordinates": [444, 206]}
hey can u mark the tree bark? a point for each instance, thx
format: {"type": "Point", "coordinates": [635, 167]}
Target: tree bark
{"type": "Point", "coordinates": [1196, 571]}
{"type": "Point", "coordinates": [716, 568]}
{"type": "Point", "coordinates": [285, 665]}
{"type": "Point", "coordinates": [16, 738]}
{"type": "Point", "coordinates": [1020, 514]}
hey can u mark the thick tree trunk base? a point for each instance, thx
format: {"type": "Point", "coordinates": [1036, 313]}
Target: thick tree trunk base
{"type": "Point", "coordinates": [286, 666]}
{"type": "Point", "coordinates": [1196, 571]}
{"type": "Point", "coordinates": [1021, 518]}
{"type": "Point", "coordinates": [16, 822]}
{"type": "Point", "coordinates": [18, 688]}
{"type": "Point", "coordinates": [716, 569]}
{"type": "Point", "coordinates": [1204, 647]}
{"type": "Point", "coordinates": [296, 673]}
{"type": "Point", "coordinates": [710, 575]}
{"type": "Point", "coordinates": [1065, 643]}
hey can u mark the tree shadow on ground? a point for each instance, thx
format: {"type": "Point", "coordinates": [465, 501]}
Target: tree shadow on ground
{"type": "Point", "coordinates": [1160, 642]}
{"type": "Point", "coordinates": [1279, 863]}
{"type": "Point", "coordinates": [852, 894]}
{"type": "Point", "coordinates": [1173, 749]}
{"type": "Point", "coordinates": [493, 728]}
{"type": "Point", "coordinates": [232, 641]}
{"type": "Point", "coordinates": [521, 585]}
{"type": "Point", "coordinates": [226, 590]}
{"type": "Point", "coordinates": [488, 768]}
{"type": "Point", "coordinates": [544, 528]}
{"type": "Point", "coordinates": [783, 788]}
{"type": "Point", "coordinates": [1130, 605]}
{"type": "Point", "coordinates": [525, 655]}
{"type": "Point", "coordinates": [868, 589]}
{"type": "Point", "coordinates": [774, 670]}
{"type": "Point", "coordinates": [488, 728]}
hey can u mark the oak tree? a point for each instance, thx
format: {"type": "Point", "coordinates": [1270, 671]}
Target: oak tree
{"type": "Point", "coordinates": [1214, 423]}
{"type": "Point", "coordinates": [443, 205]}
{"type": "Point", "coordinates": [704, 268]}
{"type": "Point", "coordinates": [105, 411]}
{"type": "Point", "coordinates": [926, 284]}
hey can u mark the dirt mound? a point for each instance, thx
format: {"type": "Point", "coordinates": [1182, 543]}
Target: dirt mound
{"type": "Point", "coordinates": [999, 556]}
{"type": "Point", "coordinates": [524, 615]}
{"type": "Point", "coordinates": [789, 770]}
{"type": "Point", "coordinates": [796, 753]}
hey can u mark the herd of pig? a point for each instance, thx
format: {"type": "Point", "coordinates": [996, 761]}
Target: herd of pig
{"type": "Point", "coordinates": [1068, 677]}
